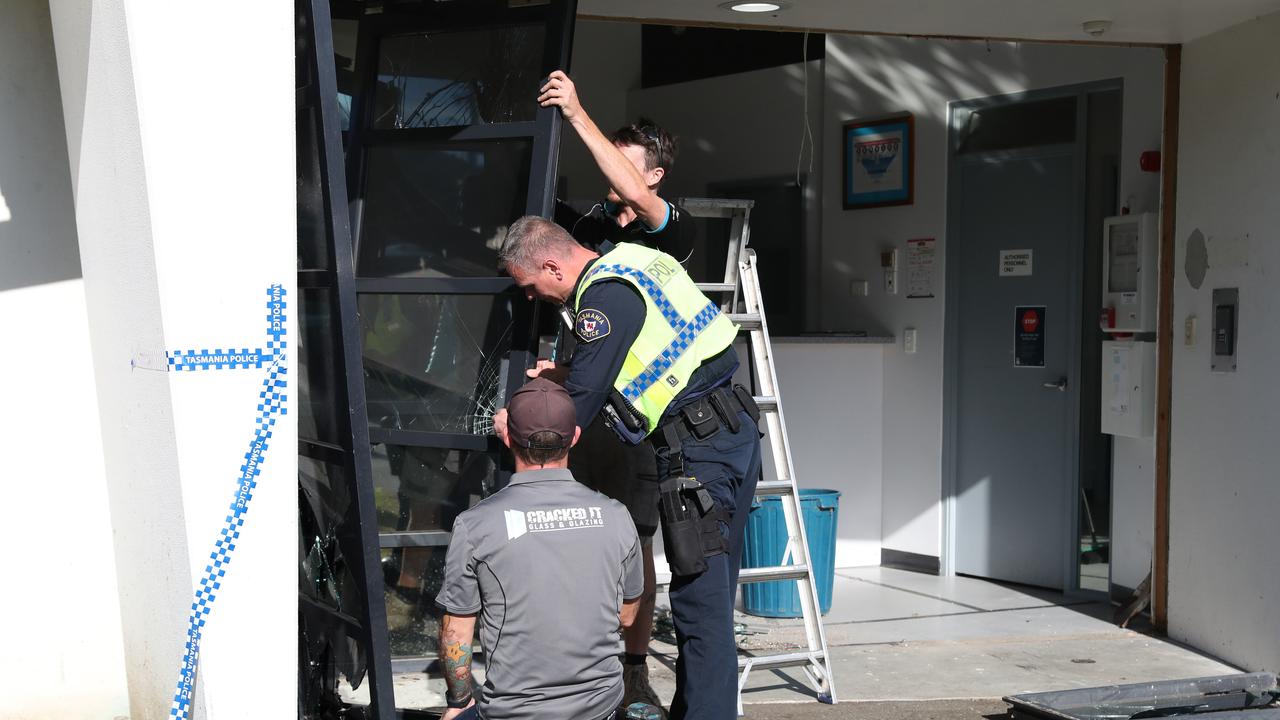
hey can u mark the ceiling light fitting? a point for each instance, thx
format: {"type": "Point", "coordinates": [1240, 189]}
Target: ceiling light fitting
{"type": "Point", "coordinates": [754, 7]}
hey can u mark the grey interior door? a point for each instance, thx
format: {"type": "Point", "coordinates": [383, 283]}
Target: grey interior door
{"type": "Point", "coordinates": [1014, 426]}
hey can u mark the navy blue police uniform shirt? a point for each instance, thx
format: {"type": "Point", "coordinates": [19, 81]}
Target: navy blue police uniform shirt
{"type": "Point", "coordinates": [610, 317]}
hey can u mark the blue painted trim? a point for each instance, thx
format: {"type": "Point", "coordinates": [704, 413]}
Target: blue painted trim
{"type": "Point", "coordinates": [665, 219]}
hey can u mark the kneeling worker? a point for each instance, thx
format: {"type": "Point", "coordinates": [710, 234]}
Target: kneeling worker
{"type": "Point", "coordinates": [656, 356]}
{"type": "Point", "coordinates": [549, 567]}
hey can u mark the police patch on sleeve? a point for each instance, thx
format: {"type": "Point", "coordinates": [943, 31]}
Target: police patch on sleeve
{"type": "Point", "coordinates": [591, 325]}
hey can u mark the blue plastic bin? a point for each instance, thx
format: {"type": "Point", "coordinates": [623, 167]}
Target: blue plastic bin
{"type": "Point", "coordinates": [766, 539]}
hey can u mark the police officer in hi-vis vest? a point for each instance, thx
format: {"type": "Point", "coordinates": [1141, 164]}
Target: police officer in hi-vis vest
{"type": "Point", "coordinates": [656, 357]}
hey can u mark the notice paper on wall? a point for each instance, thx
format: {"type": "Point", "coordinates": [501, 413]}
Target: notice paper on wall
{"type": "Point", "coordinates": [1015, 263]}
{"type": "Point", "coordinates": [921, 255]}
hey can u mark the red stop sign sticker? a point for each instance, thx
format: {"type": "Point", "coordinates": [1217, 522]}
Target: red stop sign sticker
{"type": "Point", "coordinates": [1030, 321]}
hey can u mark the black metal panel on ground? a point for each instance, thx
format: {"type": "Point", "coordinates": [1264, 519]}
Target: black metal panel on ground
{"type": "Point", "coordinates": [1225, 697]}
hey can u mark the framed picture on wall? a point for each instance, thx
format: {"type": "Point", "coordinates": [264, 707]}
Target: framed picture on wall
{"type": "Point", "coordinates": [879, 162]}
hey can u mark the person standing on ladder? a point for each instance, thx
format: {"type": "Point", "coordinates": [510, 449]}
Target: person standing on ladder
{"type": "Point", "coordinates": [656, 358]}
{"type": "Point", "coordinates": [635, 161]}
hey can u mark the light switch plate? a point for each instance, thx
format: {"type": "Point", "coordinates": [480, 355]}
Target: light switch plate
{"type": "Point", "coordinates": [1189, 331]}
{"type": "Point", "coordinates": [858, 288]}
{"type": "Point", "coordinates": [909, 341]}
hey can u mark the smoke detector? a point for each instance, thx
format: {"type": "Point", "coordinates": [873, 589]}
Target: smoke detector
{"type": "Point", "coordinates": [1096, 28]}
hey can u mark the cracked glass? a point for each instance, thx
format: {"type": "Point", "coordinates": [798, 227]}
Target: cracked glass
{"type": "Point", "coordinates": [434, 363]}
{"type": "Point", "coordinates": [418, 492]}
{"type": "Point", "coordinates": [451, 79]}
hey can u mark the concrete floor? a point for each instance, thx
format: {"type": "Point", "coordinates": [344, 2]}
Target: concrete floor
{"type": "Point", "coordinates": [911, 645]}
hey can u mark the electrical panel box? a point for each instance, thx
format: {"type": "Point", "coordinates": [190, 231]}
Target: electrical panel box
{"type": "Point", "coordinates": [1128, 388]}
{"type": "Point", "coordinates": [1226, 315]}
{"type": "Point", "coordinates": [1130, 246]}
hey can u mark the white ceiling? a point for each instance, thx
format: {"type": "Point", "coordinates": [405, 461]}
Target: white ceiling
{"type": "Point", "coordinates": [1133, 21]}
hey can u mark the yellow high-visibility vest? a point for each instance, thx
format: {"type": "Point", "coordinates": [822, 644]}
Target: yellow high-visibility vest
{"type": "Point", "coordinates": [682, 327]}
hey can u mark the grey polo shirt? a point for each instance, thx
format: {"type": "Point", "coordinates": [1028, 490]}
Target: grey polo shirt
{"type": "Point", "coordinates": [546, 562]}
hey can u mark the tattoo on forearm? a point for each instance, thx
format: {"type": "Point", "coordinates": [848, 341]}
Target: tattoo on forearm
{"type": "Point", "coordinates": [456, 658]}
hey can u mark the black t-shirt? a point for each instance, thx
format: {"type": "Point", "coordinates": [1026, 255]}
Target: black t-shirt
{"type": "Point", "coordinates": [600, 231]}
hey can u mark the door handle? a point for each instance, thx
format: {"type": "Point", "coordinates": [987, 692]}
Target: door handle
{"type": "Point", "coordinates": [1060, 386]}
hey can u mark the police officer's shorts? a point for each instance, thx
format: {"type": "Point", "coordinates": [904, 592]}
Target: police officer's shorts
{"type": "Point", "coordinates": [626, 473]}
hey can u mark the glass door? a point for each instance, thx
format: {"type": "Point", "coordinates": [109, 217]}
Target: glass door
{"type": "Point", "coordinates": [447, 146]}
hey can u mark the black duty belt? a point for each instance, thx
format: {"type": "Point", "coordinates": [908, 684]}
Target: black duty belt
{"type": "Point", "coordinates": [703, 417]}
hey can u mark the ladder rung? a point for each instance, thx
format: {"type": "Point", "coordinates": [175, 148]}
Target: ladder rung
{"type": "Point", "coordinates": [774, 487]}
{"type": "Point", "coordinates": [765, 574]}
{"type": "Point", "coordinates": [746, 321]}
{"type": "Point", "coordinates": [764, 662]}
{"type": "Point", "coordinates": [714, 207]}
{"type": "Point", "coordinates": [717, 287]}
{"type": "Point", "coordinates": [767, 403]}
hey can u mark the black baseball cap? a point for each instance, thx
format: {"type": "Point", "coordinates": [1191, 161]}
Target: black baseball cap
{"type": "Point", "coordinates": [541, 406]}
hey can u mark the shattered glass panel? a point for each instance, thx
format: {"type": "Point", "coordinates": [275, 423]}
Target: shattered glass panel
{"type": "Point", "coordinates": [434, 363]}
{"type": "Point", "coordinates": [422, 490]}
{"type": "Point", "coordinates": [448, 79]}
{"type": "Point", "coordinates": [441, 211]}
{"type": "Point", "coordinates": [329, 597]}
{"type": "Point", "coordinates": [319, 384]}
{"type": "Point", "coordinates": [329, 535]}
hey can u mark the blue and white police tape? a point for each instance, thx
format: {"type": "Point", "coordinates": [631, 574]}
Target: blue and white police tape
{"type": "Point", "coordinates": [218, 359]}
{"type": "Point", "coordinates": [271, 404]}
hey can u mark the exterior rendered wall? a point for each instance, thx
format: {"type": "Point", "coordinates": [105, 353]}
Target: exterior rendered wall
{"type": "Point", "coordinates": [182, 158]}
{"type": "Point", "coordinates": [61, 618]}
{"type": "Point", "coordinates": [1223, 493]}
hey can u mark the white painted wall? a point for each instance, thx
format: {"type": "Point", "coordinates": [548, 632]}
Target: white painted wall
{"type": "Point", "coordinates": [831, 396]}
{"type": "Point", "coordinates": [61, 619]}
{"type": "Point", "coordinates": [604, 65]}
{"type": "Point", "coordinates": [1133, 498]}
{"type": "Point", "coordinates": [1223, 588]}
{"type": "Point", "coordinates": [184, 218]}
{"type": "Point", "coordinates": [868, 77]}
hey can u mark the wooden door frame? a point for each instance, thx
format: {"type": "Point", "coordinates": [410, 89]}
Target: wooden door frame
{"type": "Point", "coordinates": [1164, 334]}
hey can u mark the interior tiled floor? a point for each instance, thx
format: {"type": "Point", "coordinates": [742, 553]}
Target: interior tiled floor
{"type": "Point", "coordinates": [896, 635]}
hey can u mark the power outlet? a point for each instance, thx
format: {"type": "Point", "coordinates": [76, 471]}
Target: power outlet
{"type": "Point", "coordinates": [889, 263]}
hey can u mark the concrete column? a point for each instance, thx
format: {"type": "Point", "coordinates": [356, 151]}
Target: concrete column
{"type": "Point", "coordinates": [179, 121]}
{"type": "Point", "coordinates": [63, 649]}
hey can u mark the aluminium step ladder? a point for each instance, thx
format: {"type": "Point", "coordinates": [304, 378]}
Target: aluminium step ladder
{"type": "Point", "coordinates": [745, 307]}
